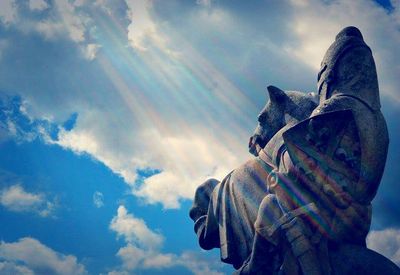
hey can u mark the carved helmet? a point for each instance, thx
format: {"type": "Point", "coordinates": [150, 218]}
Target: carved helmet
{"type": "Point", "coordinates": [348, 69]}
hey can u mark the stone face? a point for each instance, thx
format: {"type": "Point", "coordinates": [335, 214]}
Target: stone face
{"type": "Point", "coordinates": [303, 204]}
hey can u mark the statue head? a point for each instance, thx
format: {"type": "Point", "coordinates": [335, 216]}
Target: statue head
{"type": "Point", "coordinates": [348, 68]}
{"type": "Point", "coordinates": [281, 109]}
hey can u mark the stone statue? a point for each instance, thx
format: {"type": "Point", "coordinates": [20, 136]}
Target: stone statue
{"type": "Point", "coordinates": [303, 204]}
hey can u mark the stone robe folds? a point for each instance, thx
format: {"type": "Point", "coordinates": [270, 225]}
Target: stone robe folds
{"type": "Point", "coordinates": [225, 212]}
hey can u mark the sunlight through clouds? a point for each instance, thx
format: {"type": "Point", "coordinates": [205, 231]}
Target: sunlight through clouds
{"type": "Point", "coordinates": [156, 96]}
{"type": "Point", "coordinates": [154, 140]}
{"type": "Point", "coordinates": [315, 23]}
{"type": "Point", "coordinates": [187, 102]}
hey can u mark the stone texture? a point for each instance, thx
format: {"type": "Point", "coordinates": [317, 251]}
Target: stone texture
{"type": "Point", "coordinates": [303, 204]}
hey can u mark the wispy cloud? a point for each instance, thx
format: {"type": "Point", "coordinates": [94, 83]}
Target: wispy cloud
{"type": "Point", "coordinates": [37, 259]}
{"type": "Point", "coordinates": [98, 199]}
{"type": "Point", "coordinates": [15, 198]}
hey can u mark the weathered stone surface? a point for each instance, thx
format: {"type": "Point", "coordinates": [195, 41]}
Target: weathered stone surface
{"type": "Point", "coordinates": [303, 205]}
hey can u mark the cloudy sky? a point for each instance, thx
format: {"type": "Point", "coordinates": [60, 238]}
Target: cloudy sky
{"type": "Point", "coordinates": [113, 111]}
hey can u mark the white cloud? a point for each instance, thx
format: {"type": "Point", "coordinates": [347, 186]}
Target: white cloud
{"type": "Point", "coordinates": [386, 242]}
{"type": "Point", "coordinates": [8, 12]}
{"type": "Point", "coordinates": [38, 5]}
{"type": "Point", "coordinates": [185, 158]}
{"type": "Point", "coordinates": [69, 22]}
{"type": "Point", "coordinates": [143, 249]}
{"type": "Point", "coordinates": [39, 258]}
{"type": "Point", "coordinates": [88, 141]}
{"type": "Point", "coordinates": [64, 20]}
{"type": "Point", "coordinates": [143, 244]}
{"type": "Point", "coordinates": [98, 199]}
{"type": "Point", "coordinates": [135, 230]}
{"type": "Point", "coordinates": [16, 199]}
{"type": "Point", "coordinates": [136, 258]}
{"type": "Point", "coordinates": [131, 256]}
{"type": "Point", "coordinates": [159, 261]}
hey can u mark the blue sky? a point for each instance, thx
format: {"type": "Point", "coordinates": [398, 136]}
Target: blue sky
{"type": "Point", "coordinates": [113, 111]}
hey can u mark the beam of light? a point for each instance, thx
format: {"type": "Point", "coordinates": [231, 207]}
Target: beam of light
{"type": "Point", "coordinates": [156, 78]}
{"type": "Point", "coordinates": [149, 81]}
